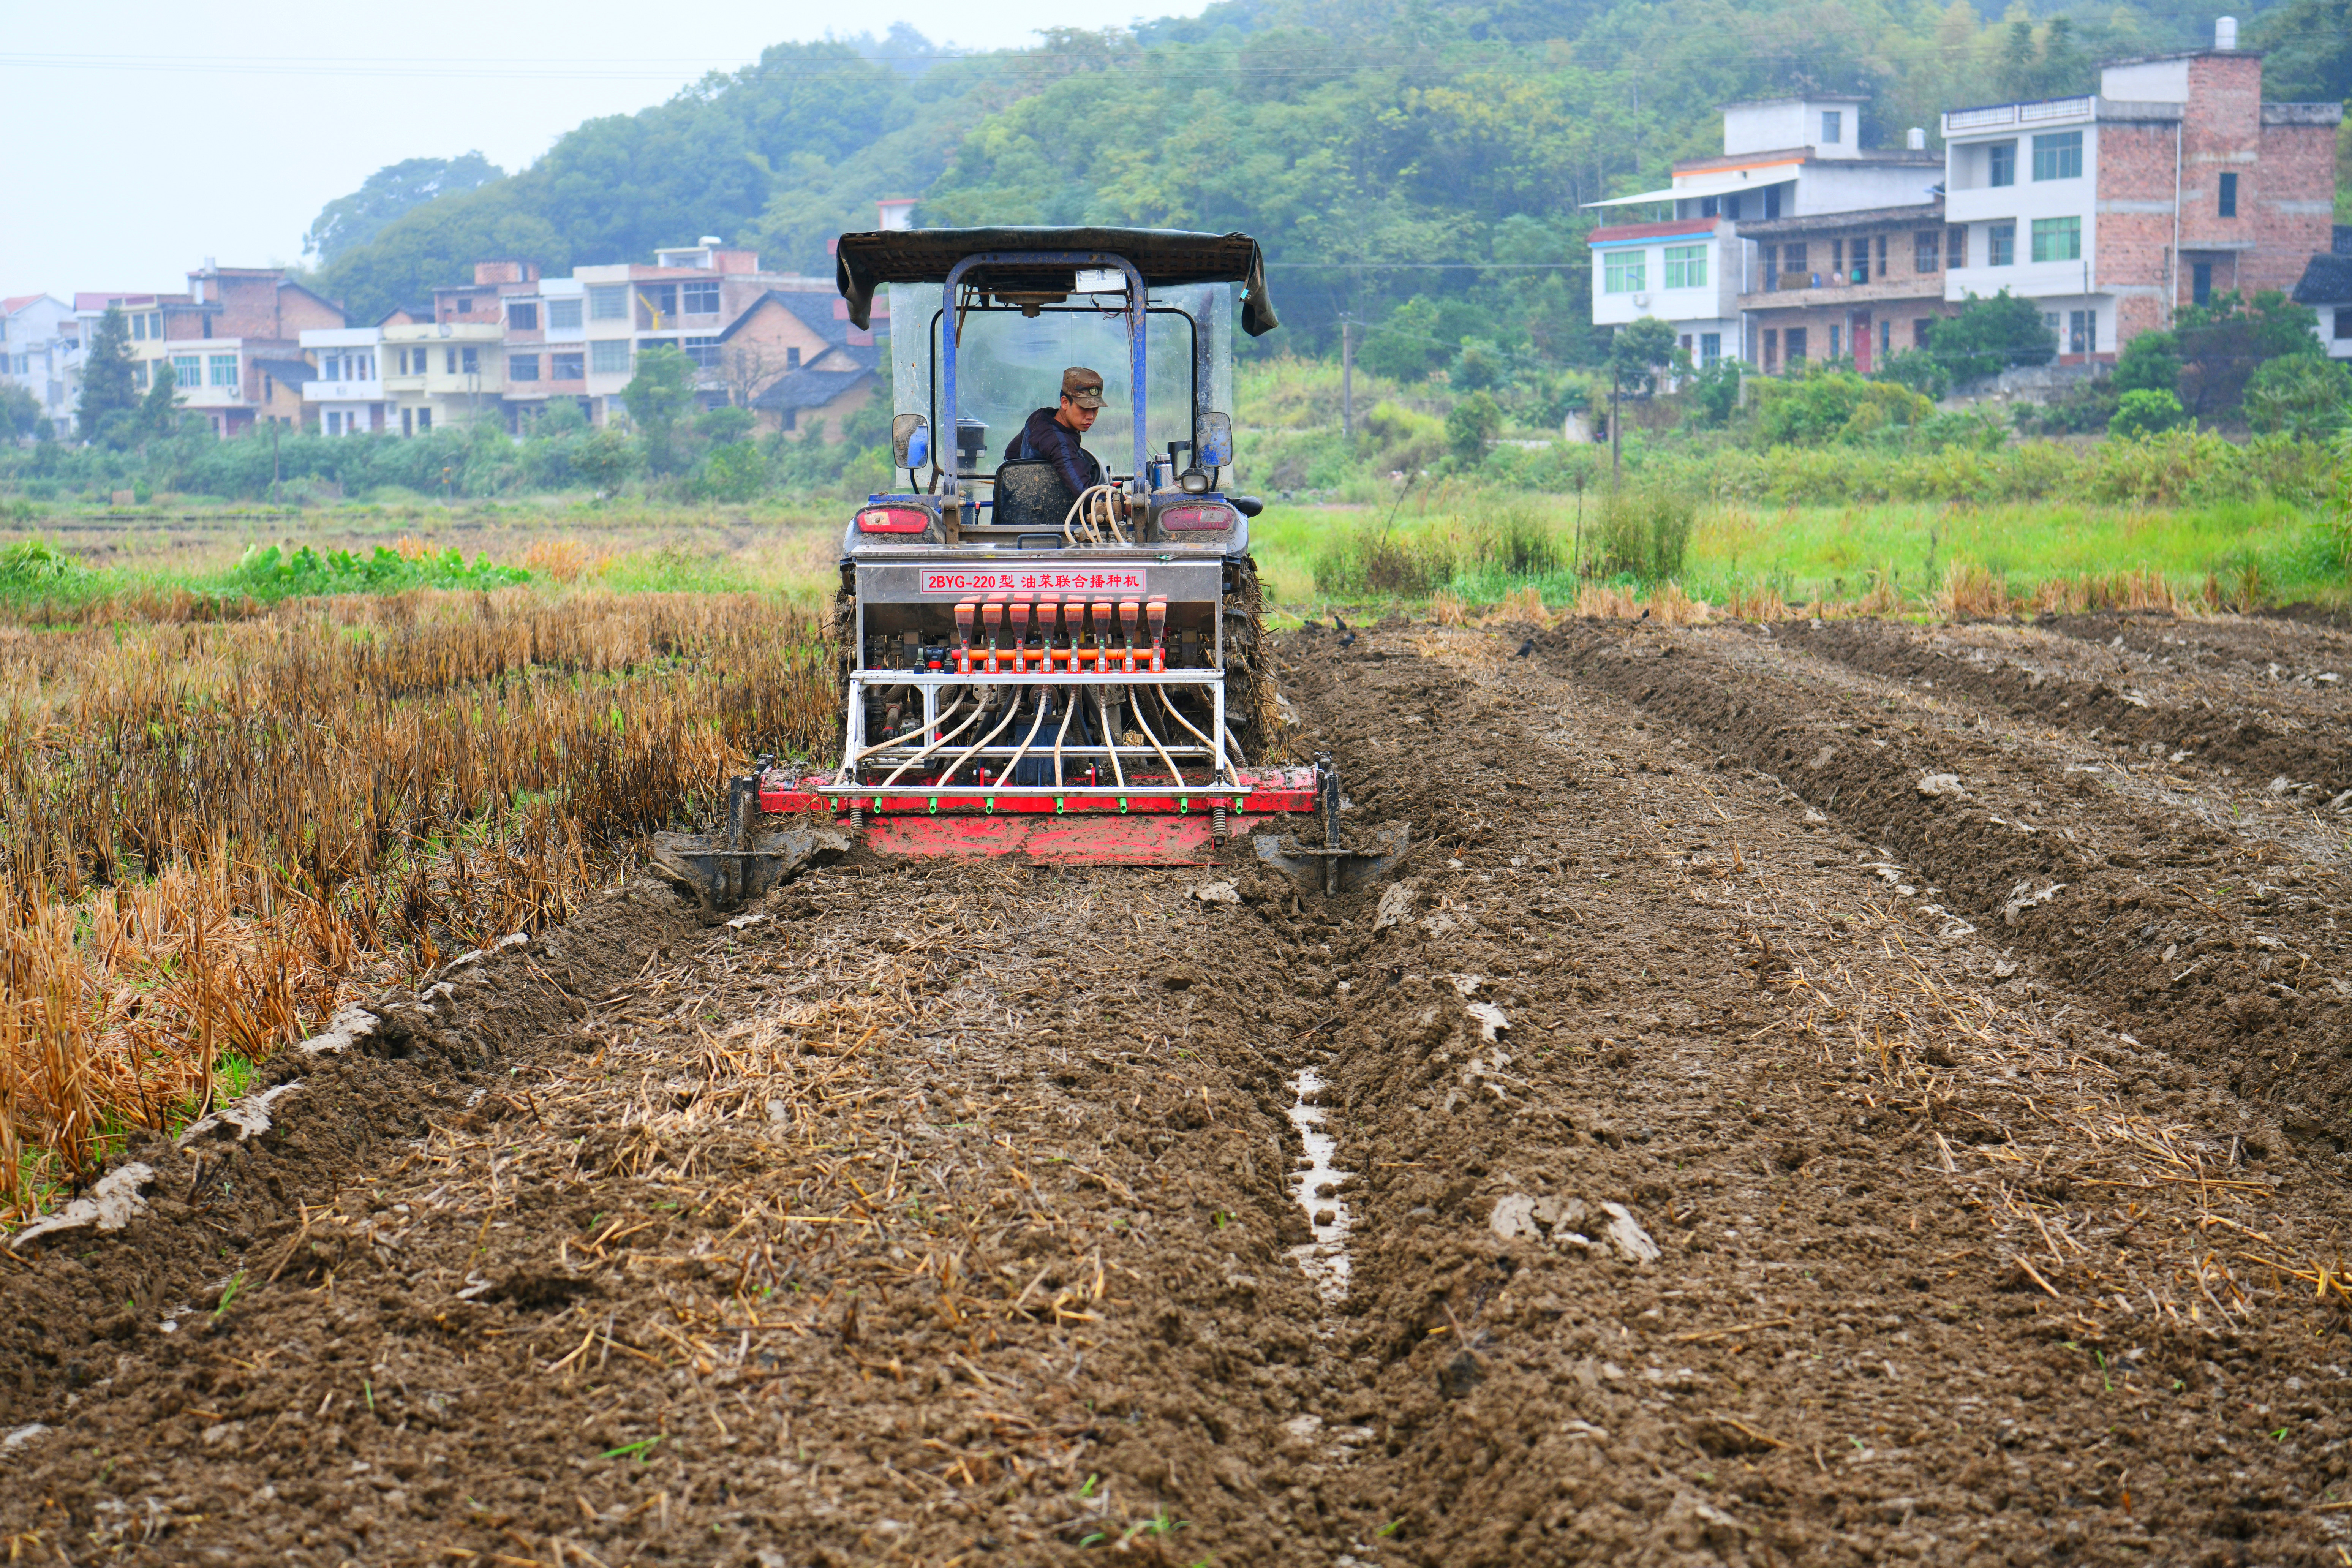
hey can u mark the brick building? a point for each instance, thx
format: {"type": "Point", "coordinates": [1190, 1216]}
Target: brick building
{"type": "Point", "coordinates": [231, 340]}
{"type": "Point", "coordinates": [1860, 285]}
{"type": "Point", "coordinates": [2171, 184]}
{"type": "Point", "coordinates": [796, 362]}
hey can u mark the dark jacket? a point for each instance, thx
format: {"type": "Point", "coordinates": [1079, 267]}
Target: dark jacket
{"type": "Point", "coordinates": [1041, 435]}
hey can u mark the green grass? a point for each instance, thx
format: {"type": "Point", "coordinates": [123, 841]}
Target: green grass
{"type": "Point", "coordinates": [1837, 553]}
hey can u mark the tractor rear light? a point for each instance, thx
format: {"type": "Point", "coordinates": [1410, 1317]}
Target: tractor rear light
{"type": "Point", "coordinates": [1198, 519]}
{"type": "Point", "coordinates": [893, 519]}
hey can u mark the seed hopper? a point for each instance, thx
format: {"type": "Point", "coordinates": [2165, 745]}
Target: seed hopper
{"type": "Point", "coordinates": [1029, 672]}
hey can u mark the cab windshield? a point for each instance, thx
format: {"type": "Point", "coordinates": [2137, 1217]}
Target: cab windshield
{"type": "Point", "coordinates": [1009, 363]}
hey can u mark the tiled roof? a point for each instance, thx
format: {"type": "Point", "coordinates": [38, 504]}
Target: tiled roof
{"type": "Point", "coordinates": [1617, 234]}
{"type": "Point", "coordinates": [2326, 280]}
{"type": "Point", "coordinates": [815, 311]}
{"type": "Point", "coordinates": [293, 371]}
{"type": "Point", "coordinates": [809, 388]}
{"type": "Point", "coordinates": [1930, 212]}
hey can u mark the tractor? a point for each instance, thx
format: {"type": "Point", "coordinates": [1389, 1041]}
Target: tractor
{"type": "Point", "coordinates": [1029, 672]}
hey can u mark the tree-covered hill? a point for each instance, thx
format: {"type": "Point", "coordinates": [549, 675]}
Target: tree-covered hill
{"type": "Point", "coordinates": [1362, 141]}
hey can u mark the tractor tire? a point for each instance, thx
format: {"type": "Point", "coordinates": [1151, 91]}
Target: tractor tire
{"type": "Point", "coordinates": [1250, 709]}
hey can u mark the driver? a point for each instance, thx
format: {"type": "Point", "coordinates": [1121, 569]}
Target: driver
{"type": "Point", "coordinates": [1053, 433]}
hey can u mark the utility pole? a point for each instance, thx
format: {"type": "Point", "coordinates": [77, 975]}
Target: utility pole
{"type": "Point", "coordinates": [1348, 379]}
{"type": "Point", "coordinates": [1613, 422]}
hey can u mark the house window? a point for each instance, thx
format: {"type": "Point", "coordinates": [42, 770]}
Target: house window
{"type": "Point", "coordinates": [1837, 346]}
{"type": "Point", "coordinates": [1881, 256]}
{"type": "Point", "coordinates": [791, 358]}
{"type": "Point", "coordinates": [563, 315]}
{"type": "Point", "coordinates": [469, 361]}
{"type": "Point", "coordinates": [2000, 245]}
{"type": "Point", "coordinates": [1771, 201]}
{"type": "Point", "coordinates": [1771, 349]}
{"type": "Point", "coordinates": [408, 422]}
{"type": "Point", "coordinates": [660, 300]}
{"type": "Point", "coordinates": [1687, 266]}
{"type": "Point", "coordinates": [224, 370]}
{"type": "Point", "coordinates": [139, 328]}
{"type": "Point", "coordinates": [188, 370]}
{"type": "Point", "coordinates": [269, 389]}
{"type": "Point", "coordinates": [334, 423]}
{"type": "Point", "coordinates": [791, 420]}
{"type": "Point", "coordinates": [2229, 195]}
{"type": "Point", "coordinates": [425, 422]}
{"type": "Point", "coordinates": [523, 314]}
{"type": "Point", "coordinates": [2000, 163]}
{"type": "Point", "coordinates": [1625, 271]}
{"type": "Point", "coordinates": [2058, 239]}
{"type": "Point", "coordinates": [1796, 344]}
{"type": "Point", "coordinates": [609, 356]}
{"type": "Point", "coordinates": [1793, 266]}
{"type": "Point", "coordinates": [2201, 283]}
{"type": "Point", "coordinates": [1927, 250]}
{"type": "Point", "coordinates": [2082, 331]}
{"type": "Point", "coordinates": [1709, 207]}
{"type": "Point", "coordinates": [1731, 205]}
{"type": "Point", "coordinates": [1710, 349]}
{"type": "Point", "coordinates": [2050, 320]}
{"type": "Point", "coordinates": [523, 367]}
{"type": "Point", "coordinates": [2343, 324]}
{"type": "Point", "coordinates": [449, 361]}
{"type": "Point", "coordinates": [703, 351]}
{"type": "Point", "coordinates": [466, 305]}
{"type": "Point", "coordinates": [1956, 246]}
{"type": "Point", "coordinates": [1772, 254]}
{"type": "Point", "coordinates": [1837, 259]}
{"type": "Point", "coordinates": [1832, 126]}
{"type": "Point", "coordinates": [1885, 338]}
{"type": "Point", "coordinates": [566, 367]}
{"type": "Point", "coordinates": [2058, 156]}
{"type": "Point", "coordinates": [137, 372]}
{"type": "Point", "coordinates": [699, 298]}
{"type": "Point", "coordinates": [608, 302]}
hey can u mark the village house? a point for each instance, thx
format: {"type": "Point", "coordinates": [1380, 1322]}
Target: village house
{"type": "Point", "coordinates": [1860, 285]}
{"type": "Point", "coordinates": [796, 362]}
{"type": "Point", "coordinates": [1782, 159]}
{"type": "Point", "coordinates": [2327, 286]}
{"type": "Point", "coordinates": [233, 342]}
{"type": "Point", "coordinates": [2174, 182]}
{"type": "Point", "coordinates": [38, 338]}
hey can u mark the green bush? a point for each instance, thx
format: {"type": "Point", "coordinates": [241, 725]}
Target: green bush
{"type": "Point", "coordinates": [267, 574]}
{"type": "Point", "coordinates": [34, 563]}
{"type": "Point", "coordinates": [2144, 412]}
{"type": "Point", "coordinates": [1817, 406]}
{"type": "Point", "coordinates": [2303, 396]}
{"type": "Point", "coordinates": [1472, 423]}
{"type": "Point", "coordinates": [1645, 527]}
{"type": "Point", "coordinates": [1369, 561]}
{"type": "Point", "coordinates": [1918, 369]}
{"type": "Point", "coordinates": [1986, 337]}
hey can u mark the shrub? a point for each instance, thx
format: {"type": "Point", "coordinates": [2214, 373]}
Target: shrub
{"type": "Point", "coordinates": [1916, 369]}
{"type": "Point", "coordinates": [1470, 425]}
{"type": "Point", "coordinates": [1374, 561]}
{"type": "Point", "coordinates": [1987, 336]}
{"type": "Point", "coordinates": [2303, 395]}
{"type": "Point", "coordinates": [34, 563]}
{"type": "Point", "coordinates": [2144, 412]}
{"type": "Point", "coordinates": [1645, 527]}
{"type": "Point", "coordinates": [1821, 405]}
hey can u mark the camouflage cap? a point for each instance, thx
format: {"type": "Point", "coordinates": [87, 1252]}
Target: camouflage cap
{"type": "Point", "coordinates": [1082, 386]}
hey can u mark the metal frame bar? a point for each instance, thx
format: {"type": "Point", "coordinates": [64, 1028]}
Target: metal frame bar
{"type": "Point", "coordinates": [1223, 777]}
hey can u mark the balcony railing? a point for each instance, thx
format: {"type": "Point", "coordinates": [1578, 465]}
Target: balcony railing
{"type": "Point", "coordinates": [342, 391]}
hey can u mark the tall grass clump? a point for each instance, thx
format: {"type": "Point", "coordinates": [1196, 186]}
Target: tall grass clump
{"type": "Point", "coordinates": [1645, 528]}
{"type": "Point", "coordinates": [211, 831]}
{"type": "Point", "coordinates": [1377, 560]}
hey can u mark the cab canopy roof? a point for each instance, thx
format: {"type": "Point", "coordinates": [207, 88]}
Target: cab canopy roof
{"type": "Point", "coordinates": [1166, 256]}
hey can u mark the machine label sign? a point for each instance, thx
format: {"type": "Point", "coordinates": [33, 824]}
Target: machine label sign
{"type": "Point", "coordinates": [1134, 579]}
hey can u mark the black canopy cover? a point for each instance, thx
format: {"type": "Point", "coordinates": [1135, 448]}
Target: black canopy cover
{"type": "Point", "coordinates": [863, 262]}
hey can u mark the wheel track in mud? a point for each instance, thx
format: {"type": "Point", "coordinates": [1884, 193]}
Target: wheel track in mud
{"type": "Point", "coordinates": [1006, 1277]}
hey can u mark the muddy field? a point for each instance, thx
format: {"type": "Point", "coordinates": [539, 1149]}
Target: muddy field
{"type": "Point", "coordinates": [1842, 1092]}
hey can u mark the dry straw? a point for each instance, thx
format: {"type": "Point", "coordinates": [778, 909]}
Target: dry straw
{"type": "Point", "coordinates": [211, 831]}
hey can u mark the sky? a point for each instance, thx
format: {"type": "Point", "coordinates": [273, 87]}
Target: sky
{"type": "Point", "coordinates": [150, 136]}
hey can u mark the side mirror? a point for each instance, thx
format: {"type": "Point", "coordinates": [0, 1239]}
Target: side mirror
{"type": "Point", "coordinates": [911, 440]}
{"type": "Point", "coordinates": [1248, 506]}
{"type": "Point", "coordinates": [1216, 435]}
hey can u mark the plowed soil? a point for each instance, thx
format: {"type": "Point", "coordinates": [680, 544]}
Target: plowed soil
{"type": "Point", "coordinates": [1839, 1093]}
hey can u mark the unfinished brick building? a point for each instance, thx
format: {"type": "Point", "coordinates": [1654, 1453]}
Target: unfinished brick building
{"type": "Point", "coordinates": [2174, 182]}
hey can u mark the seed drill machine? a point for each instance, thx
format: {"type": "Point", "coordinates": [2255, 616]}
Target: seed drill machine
{"type": "Point", "coordinates": [1073, 678]}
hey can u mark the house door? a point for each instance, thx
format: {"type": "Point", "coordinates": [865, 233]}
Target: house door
{"type": "Point", "coordinates": [1862, 344]}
